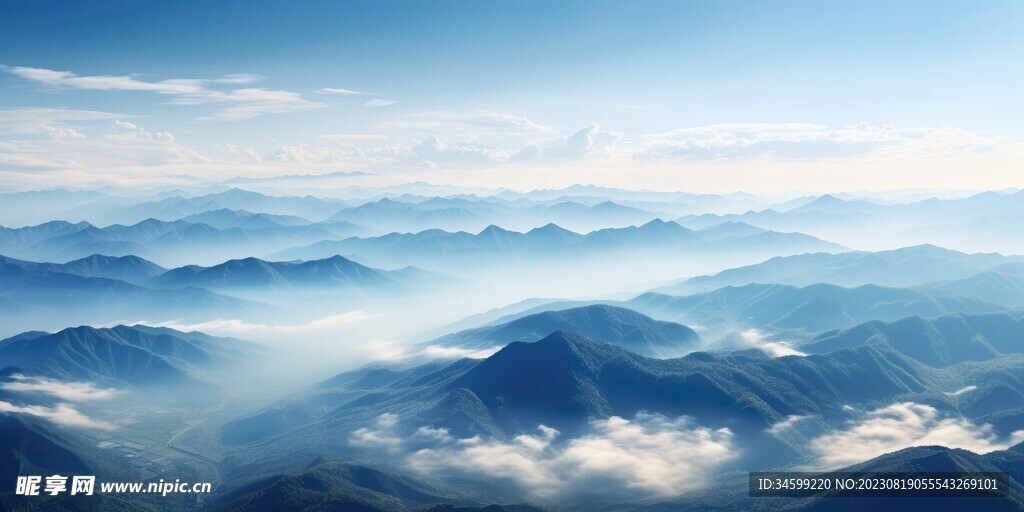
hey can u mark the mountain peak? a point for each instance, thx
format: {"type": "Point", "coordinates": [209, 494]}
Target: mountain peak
{"type": "Point", "coordinates": [492, 230]}
{"type": "Point", "coordinates": [550, 229]}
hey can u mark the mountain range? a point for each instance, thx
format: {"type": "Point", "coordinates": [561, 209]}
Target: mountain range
{"type": "Point", "coordinates": [785, 309]}
{"type": "Point", "coordinates": [813, 308]}
{"type": "Point", "coordinates": [334, 272]}
{"type": "Point", "coordinates": [169, 242]}
{"type": "Point", "coordinates": [937, 342]}
{"type": "Point", "coordinates": [43, 295]}
{"type": "Point", "coordinates": [445, 250]}
{"type": "Point", "coordinates": [908, 266]}
{"type": "Point", "coordinates": [986, 221]}
{"type": "Point", "coordinates": [125, 355]}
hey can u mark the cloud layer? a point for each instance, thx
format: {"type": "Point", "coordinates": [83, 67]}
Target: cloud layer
{"type": "Point", "coordinates": [71, 391]}
{"type": "Point", "coordinates": [61, 413]}
{"type": "Point", "coordinates": [900, 426]}
{"type": "Point", "coordinates": [651, 455]}
{"type": "Point", "coordinates": [806, 141]}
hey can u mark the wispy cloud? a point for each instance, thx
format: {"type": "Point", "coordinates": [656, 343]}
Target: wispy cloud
{"type": "Point", "coordinates": [54, 123]}
{"type": "Point", "coordinates": [233, 104]}
{"type": "Point", "coordinates": [339, 92]}
{"type": "Point", "coordinates": [45, 140]}
{"type": "Point", "coordinates": [787, 424]}
{"type": "Point", "coordinates": [961, 391]}
{"type": "Point", "coordinates": [439, 352]}
{"type": "Point", "coordinates": [240, 78]}
{"type": "Point", "coordinates": [442, 122]}
{"type": "Point", "coordinates": [379, 102]}
{"type": "Point", "coordinates": [62, 414]}
{"type": "Point", "coordinates": [903, 425]}
{"type": "Point", "coordinates": [351, 137]}
{"type": "Point", "coordinates": [235, 327]}
{"type": "Point", "coordinates": [756, 339]}
{"type": "Point", "coordinates": [807, 141]}
{"type": "Point", "coordinates": [71, 391]}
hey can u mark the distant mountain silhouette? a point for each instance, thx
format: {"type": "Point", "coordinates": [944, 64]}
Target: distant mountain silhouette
{"type": "Point", "coordinates": [986, 221]}
{"type": "Point", "coordinates": [131, 269]}
{"type": "Point", "coordinates": [242, 233]}
{"type": "Point", "coordinates": [442, 249]}
{"type": "Point", "coordinates": [227, 219]}
{"type": "Point", "coordinates": [1002, 284]}
{"type": "Point", "coordinates": [900, 267]}
{"type": "Point", "coordinates": [39, 294]}
{"type": "Point", "coordinates": [179, 206]}
{"type": "Point", "coordinates": [813, 308]}
{"type": "Point", "coordinates": [335, 271]}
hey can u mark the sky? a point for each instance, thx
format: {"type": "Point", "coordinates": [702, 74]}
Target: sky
{"type": "Point", "coordinates": [712, 96]}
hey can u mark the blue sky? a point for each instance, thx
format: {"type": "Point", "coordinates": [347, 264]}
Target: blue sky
{"type": "Point", "coordinates": [514, 93]}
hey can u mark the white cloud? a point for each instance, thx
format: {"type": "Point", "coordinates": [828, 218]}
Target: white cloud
{"type": "Point", "coordinates": [440, 352]}
{"type": "Point", "coordinates": [650, 455]}
{"type": "Point", "coordinates": [242, 153]}
{"type": "Point", "coordinates": [234, 327]}
{"type": "Point", "coordinates": [438, 435]}
{"type": "Point", "coordinates": [235, 104]}
{"type": "Point", "coordinates": [379, 102]}
{"type": "Point", "coordinates": [807, 141]}
{"type": "Point", "coordinates": [126, 131]}
{"type": "Point", "coordinates": [382, 435]}
{"type": "Point", "coordinates": [244, 104]}
{"type": "Point", "coordinates": [351, 137]}
{"type": "Point", "coordinates": [445, 122]}
{"type": "Point", "coordinates": [587, 142]}
{"type": "Point", "coordinates": [71, 391]}
{"type": "Point", "coordinates": [433, 150]}
{"type": "Point", "coordinates": [51, 122]}
{"type": "Point", "coordinates": [384, 350]}
{"type": "Point", "coordinates": [240, 78]}
{"type": "Point", "coordinates": [432, 153]}
{"type": "Point", "coordinates": [340, 92]}
{"type": "Point", "coordinates": [62, 414]}
{"type": "Point", "coordinates": [785, 425]}
{"type": "Point", "coordinates": [53, 140]}
{"type": "Point", "coordinates": [510, 122]}
{"type": "Point", "coordinates": [303, 153]}
{"type": "Point", "coordinates": [962, 391]}
{"type": "Point", "coordinates": [903, 425]}
{"type": "Point", "coordinates": [756, 339]}
{"type": "Point", "coordinates": [338, 153]}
